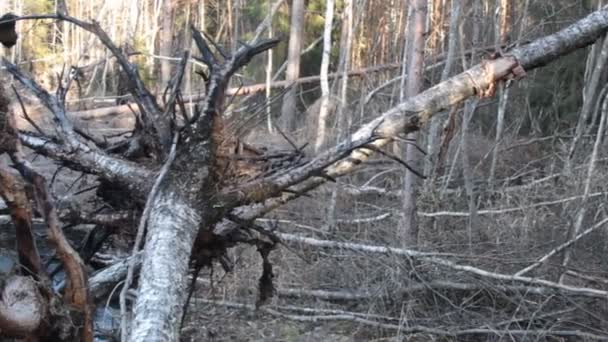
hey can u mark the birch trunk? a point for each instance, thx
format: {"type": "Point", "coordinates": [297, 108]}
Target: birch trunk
{"type": "Point", "coordinates": [289, 111]}
{"type": "Point", "coordinates": [269, 77]}
{"type": "Point", "coordinates": [323, 110]}
{"type": "Point", "coordinates": [447, 70]}
{"type": "Point", "coordinates": [501, 32]}
{"type": "Point", "coordinates": [166, 42]}
{"type": "Point", "coordinates": [173, 225]}
{"type": "Point", "coordinates": [415, 69]}
{"type": "Point", "coordinates": [341, 127]}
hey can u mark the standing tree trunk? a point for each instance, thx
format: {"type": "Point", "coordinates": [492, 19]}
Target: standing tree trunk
{"type": "Point", "coordinates": [289, 110]}
{"type": "Point", "coordinates": [346, 38]}
{"type": "Point", "coordinates": [415, 69]}
{"type": "Point", "coordinates": [501, 36]}
{"type": "Point", "coordinates": [269, 76]}
{"type": "Point", "coordinates": [447, 70]}
{"type": "Point", "coordinates": [469, 110]}
{"type": "Point", "coordinates": [165, 43]}
{"type": "Point", "coordinates": [323, 110]}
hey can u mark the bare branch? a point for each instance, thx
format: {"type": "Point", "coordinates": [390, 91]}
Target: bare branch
{"type": "Point", "coordinates": [133, 176]}
{"type": "Point", "coordinates": [149, 109]}
{"type": "Point", "coordinates": [429, 257]}
{"type": "Point", "coordinates": [561, 248]}
{"type": "Point", "coordinates": [51, 102]}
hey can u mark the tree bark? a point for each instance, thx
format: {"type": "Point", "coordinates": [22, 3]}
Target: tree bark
{"type": "Point", "coordinates": [501, 34]}
{"type": "Point", "coordinates": [445, 74]}
{"type": "Point", "coordinates": [173, 224]}
{"type": "Point", "coordinates": [289, 110]}
{"type": "Point", "coordinates": [165, 42]}
{"type": "Point", "coordinates": [325, 93]}
{"type": "Point", "coordinates": [415, 67]}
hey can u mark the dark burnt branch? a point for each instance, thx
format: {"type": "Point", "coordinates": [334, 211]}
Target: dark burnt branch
{"type": "Point", "coordinates": [155, 123]}
{"type": "Point", "coordinates": [56, 104]}
{"type": "Point", "coordinates": [246, 52]}
{"type": "Point", "coordinates": [221, 72]}
{"type": "Point", "coordinates": [207, 56]}
{"type": "Point", "coordinates": [51, 102]}
{"type": "Point", "coordinates": [88, 137]}
{"type": "Point", "coordinates": [24, 111]}
{"type": "Point", "coordinates": [398, 160]}
{"type": "Point", "coordinates": [181, 69]}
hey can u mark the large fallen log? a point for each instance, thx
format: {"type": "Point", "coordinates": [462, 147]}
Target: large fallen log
{"type": "Point", "coordinates": [414, 113]}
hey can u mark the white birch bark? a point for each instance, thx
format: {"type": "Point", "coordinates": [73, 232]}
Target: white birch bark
{"type": "Point", "coordinates": [269, 77]}
{"type": "Point", "coordinates": [289, 111]}
{"type": "Point", "coordinates": [345, 45]}
{"type": "Point", "coordinates": [323, 110]}
{"type": "Point", "coordinates": [172, 228]}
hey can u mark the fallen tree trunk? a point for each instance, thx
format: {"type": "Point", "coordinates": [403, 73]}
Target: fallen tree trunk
{"type": "Point", "coordinates": [412, 114]}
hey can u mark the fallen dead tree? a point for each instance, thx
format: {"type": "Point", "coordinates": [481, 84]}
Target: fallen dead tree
{"type": "Point", "coordinates": [206, 201]}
